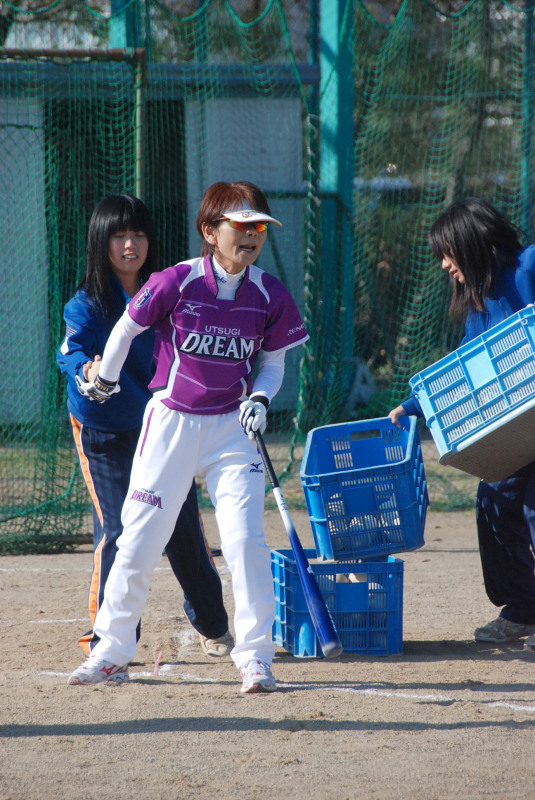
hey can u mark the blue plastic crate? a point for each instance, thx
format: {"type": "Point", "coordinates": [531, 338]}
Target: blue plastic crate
{"type": "Point", "coordinates": [365, 600]}
{"type": "Point", "coordinates": [365, 488]}
{"type": "Point", "coordinates": [478, 400]}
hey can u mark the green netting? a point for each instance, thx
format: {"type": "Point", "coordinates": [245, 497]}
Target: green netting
{"type": "Point", "coordinates": [361, 120]}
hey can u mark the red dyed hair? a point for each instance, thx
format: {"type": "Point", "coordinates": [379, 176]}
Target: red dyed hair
{"type": "Point", "coordinates": [221, 197]}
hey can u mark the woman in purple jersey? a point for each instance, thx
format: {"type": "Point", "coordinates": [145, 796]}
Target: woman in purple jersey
{"type": "Point", "coordinates": [216, 318]}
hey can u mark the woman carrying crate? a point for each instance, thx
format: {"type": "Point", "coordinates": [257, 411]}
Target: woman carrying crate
{"type": "Point", "coordinates": [492, 277]}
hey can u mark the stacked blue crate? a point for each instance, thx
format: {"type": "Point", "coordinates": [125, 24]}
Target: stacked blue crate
{"type": "Point", "coordinates": [366, 496]}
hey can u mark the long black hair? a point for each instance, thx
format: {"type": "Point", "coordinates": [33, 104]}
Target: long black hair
{"type": "Point", "coordinates": [481, 240]}
{"type": "Point", "coordinates": [115, 213]}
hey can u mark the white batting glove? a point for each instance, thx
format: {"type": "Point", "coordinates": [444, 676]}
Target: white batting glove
{"type": "Point", "coordinates": [253, 415]}
{"type": "Point", "coordinates": [98, 389]}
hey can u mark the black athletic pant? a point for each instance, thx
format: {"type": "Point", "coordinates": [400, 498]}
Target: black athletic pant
{"type": "Point", "coordinates": [506, 530]}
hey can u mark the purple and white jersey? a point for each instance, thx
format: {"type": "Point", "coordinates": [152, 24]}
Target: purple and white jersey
{"type": "Point", "coordinates": [205, 349]}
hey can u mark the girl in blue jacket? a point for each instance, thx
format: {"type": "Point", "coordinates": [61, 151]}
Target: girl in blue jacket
{"type": "Point", "coordinates": [121, 254]}
{"type": "Point", "coordinates": [492, 277]}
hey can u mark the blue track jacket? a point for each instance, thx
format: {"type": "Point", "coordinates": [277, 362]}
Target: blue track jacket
{"type": "Point", "coordinates": [87, 331]}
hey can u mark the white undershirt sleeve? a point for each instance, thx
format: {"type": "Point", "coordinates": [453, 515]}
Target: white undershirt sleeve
{"type": "Point", "coordinates": [268, 380]}
{"type": "Point", "coordinates": [117, 347]}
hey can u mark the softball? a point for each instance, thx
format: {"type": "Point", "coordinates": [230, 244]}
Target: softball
{"type": "Point", "coordinates": [93, 371]}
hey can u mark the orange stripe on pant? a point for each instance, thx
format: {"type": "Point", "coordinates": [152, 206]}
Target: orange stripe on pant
{"type": "Point", "coordinates": [95, 578]}
{"type": "Point", "coordinates": [84, 464]}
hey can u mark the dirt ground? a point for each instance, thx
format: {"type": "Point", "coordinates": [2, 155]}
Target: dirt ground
{"type": "Point", "coordinates": [449, 718]}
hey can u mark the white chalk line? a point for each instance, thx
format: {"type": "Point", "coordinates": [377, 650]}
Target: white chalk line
{"type": "Point", "coordinates": [164, 669]}
{"type": "Point", "coordinates": [185, 637]}
{"type": "Point", "coordinates": [433, 698]}
{"type": "Point", "coordinates": [62, 569]}
{"type": "Point", "coordinates": [44, 569]}
{"type": "Point", "coordinates": [221, 568]}
{"type": "Point", "coordinates": [52, 621]}
{"type": "Point", "coordinates": [10, 622]}
{"type": "Point", "coordinates": [169, 670]}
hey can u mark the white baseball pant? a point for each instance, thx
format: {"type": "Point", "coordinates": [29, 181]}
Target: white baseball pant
{"type": "Point", "coordinates": [172, 449]}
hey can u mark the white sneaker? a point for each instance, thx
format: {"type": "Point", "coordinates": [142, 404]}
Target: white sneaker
{"type": "Point", "coordinates": [257, 677]}
{"type": "Point", "coordinates": [529, 643]}
{"type": "Point", "coordinates": [96, 670]}
{"type": "Point", "coordinates": [502, 630]}
{"type": "Point", "coordinates": [217, 647]}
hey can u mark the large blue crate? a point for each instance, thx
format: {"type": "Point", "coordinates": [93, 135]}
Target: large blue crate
{"type": "Point", "coordinates": [365, 600]}
{"type": "Point", "coordinates": [479, 401]}
{"type": "Point", "coordinates": [365, 488]}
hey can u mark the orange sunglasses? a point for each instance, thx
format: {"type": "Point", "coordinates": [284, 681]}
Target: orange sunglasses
{"type": "Point", "coordinates": [244, 226]}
